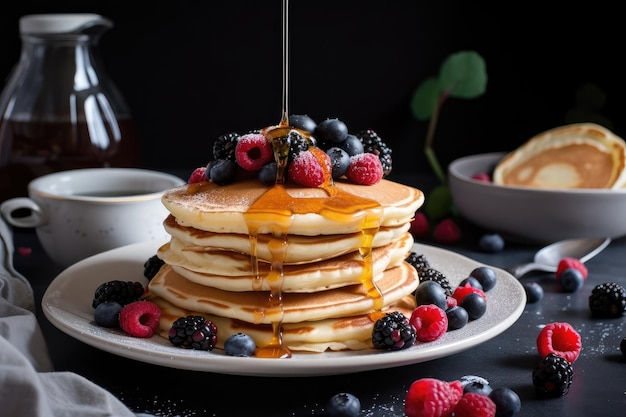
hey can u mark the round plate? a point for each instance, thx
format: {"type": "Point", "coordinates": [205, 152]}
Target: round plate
{"type": "Point", "coordinates": [67, 304]}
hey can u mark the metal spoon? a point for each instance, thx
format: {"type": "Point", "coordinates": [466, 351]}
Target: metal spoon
{"type": "Point", "coordinates": [547, 259]}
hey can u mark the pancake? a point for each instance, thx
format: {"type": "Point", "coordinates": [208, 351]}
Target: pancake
{"type": "Point", "coordinates": [344, 208]}
{"type": "Point", "coordinates": [583, 155]}
{"type": "Point", "coordinates": [299, 249]}
{"type": "Point", "coordinates": [345, 333]}
{"type": "Point", "coordinates": [231, 271]}
{"type": "Point", "coordinates": [254, 306]}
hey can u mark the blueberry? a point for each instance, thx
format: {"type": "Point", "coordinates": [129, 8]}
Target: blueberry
{"type": "Point", "coordinates": [472, 281]}
{"type": "Point", "coordinates": [107, 314]}
{"type": "Point", "coordinates": [476, 384]}
{"type": "Point", "coordinates": [239, 344]}
{"type": "Point", "coordinates": [457, 317]}
{"type": "Point", "coordinates": [352, 145]}
{"type": "Point", "coordinates": [302, 122]}
{"type": "Point", "coordinates": [431, 292]}
{"type": "Point", "coordinates": [622, 346]}
{"type": "Point", "coordinates": [267, 174]}
{"type": "Point", "coordinates": [343, 405]}
{"type": "Point", "coordinates": [486, 276]}
{"type": "Point", "coordinates": [475, 305]}
{"type": "Point", "coordinates": [507, 402]}
{"type": "Point", "coordinates": [331, 131]}
{"type": "Point", "coordinates": [222, 171]}
{"type": "Point", "coordinates": [339, 159]}
{"type": "Point", "coordinates": [534, 291]}
{"type": "Point", "coordinates": [571, 280]}
{"type": "Point", "coordinates": [491, 242]}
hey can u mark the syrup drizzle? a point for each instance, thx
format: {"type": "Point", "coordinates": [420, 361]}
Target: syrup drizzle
{"type": "Point", "coordinates": [274, 211]}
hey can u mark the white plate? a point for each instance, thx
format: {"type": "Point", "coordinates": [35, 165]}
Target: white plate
{"type": "Point", "coordinates": [67, 304]}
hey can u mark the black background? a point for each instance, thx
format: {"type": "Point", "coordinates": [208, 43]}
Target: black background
{"type": "Point", "coordinates": [192, 70]}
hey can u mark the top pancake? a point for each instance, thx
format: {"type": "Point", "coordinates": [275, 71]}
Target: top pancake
{"type": "Point", "coordinates": [583, 155]}
{"type": "Point", "coordinates": [342, 208]}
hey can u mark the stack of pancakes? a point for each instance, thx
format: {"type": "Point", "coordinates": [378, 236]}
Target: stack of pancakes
{"type": "Point", "coordinates": [308, 268]}
{"type": "Point", "coordinates": [582, 155]}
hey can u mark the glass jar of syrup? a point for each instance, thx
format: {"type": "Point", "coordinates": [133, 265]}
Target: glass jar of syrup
{"type": "Point", "coordinates": [59, 110]}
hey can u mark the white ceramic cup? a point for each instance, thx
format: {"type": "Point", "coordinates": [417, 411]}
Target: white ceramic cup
{"type": "Point", "coordinates": [82, 212]}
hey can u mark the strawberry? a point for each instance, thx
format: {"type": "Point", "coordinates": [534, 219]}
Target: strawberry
{"type": "Point", "coordinates": [140, 318]}
{"type": "Point", "coordinates": [561, 339]}
{"type": "Point", "coordinates": [430, 322]}
{"type": "Point", "coordinates": [430, 397]}
{"type": "Point", "coordinates": [311, 168]}
{"type": "Point", "coordinates": [575, 263]}
{"type": "Point", "coordinates": [198, 175]}
{"type": "Point", "coordinates": [447, 231]}
{"type": "Point", "coordinates": [365, 168]}
{"type": "Point", "coordinates": [253, 151]}
{"type": "Point", "coordinates": [474, 404]}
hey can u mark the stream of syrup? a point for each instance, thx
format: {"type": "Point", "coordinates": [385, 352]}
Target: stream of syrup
{"type": "Point", "coordinates": [275, 211]}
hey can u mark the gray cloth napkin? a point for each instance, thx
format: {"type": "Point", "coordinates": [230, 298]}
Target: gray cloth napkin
{"type": "Point", "coordinates": [29, 386]}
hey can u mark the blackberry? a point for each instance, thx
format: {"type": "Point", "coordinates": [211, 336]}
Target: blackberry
{"type": "Point", "coordinates": [607, 300]}
{"type": "Point", "coordinates": [432, 274]}
{"type": "Point", "coordinates": [152, 266]}
{"type": "Point", "coordinates": [419, 262]}
{"type": "Point", "coordinates": [193, 332]}
{"type": "Point", "coordinates": [372, 143]}
{"type": "Point", "coordinates": [393, 332]}
{"type": "Point", "coordinates": [224, 146]}
{"type": "Point", "coordinates": [122, 292]}
{"type": "Point", "coordinates": [552, 376]}
{"type": "Point", "coordinates": [298, 143]}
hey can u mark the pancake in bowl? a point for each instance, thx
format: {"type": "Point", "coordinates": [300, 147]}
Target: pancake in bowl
{"type": "Point", "coordinates": [583, 155]}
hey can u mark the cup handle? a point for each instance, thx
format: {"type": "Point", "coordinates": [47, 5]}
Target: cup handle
{"type": "Point", "coordinates": [34, 219]}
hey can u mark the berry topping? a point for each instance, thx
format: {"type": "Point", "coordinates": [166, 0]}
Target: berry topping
{"type": "Point", "coordinates": [430, 292]}
{"type": "Point", "coordinates": [430, 397]}
{"type": "Point", "coordinates": [560, 339]}
{"type": "Point", "coordinates": [475, 305]}
{"type": "Point", "coordinates": [221, 171]}
{"type": "Point", "coordinates": [253, 151]}
{"type": "Point", "coordinates": [302, 122]}
{"type": "Point", "coordinates": [198, 175]}
{"type": "Point", "coordinates": [239, 344]}
{"type": "Point", "coordinates": [486, 276]}
{"type": "Point", "coordinates": [447, 231]}
{"type": "Point", "coordinates": [475, 405]}
{"type": "Point", "coordinates": [352, 145]}
{"type": "Point", "coordinates": [372, 143]}
{"type": "Point", "coordinates": [462, 291]}
{"type": "Point", "coordinates": [224, 146]}
{"type": "Point", "coordinates": [267, 174]}
{"type": "Point", "coordinates": [534, 291]}
{"type": "Point", "coordinates": [575, 263]}
{"type": "Point", "coordinates": [475, 383]}
{"type": "Point", "coordinates": [123, 292]}
{"type": "Point", "coordinates": [607, 300]}
{"type": "Point", "coordinates": [457, 317]}
{"type": "Point", "coordinates": [152, 266]}
{"type": "Point", "coordinates": [331, 131]}
{"type": "Point", "coordinates": [340, 161]}
{"type": "Point", "coordinates": [364, 168]}
{"type": "Point", "coordinates": [430, 322]}
{"type": "Point", "coordinates": [432, 274]}
{"type": "Point", "coordinates": [107, 314]}
{"type": "Point", "coordinates": [393, 332]}
{"type": "Point", "coordinates": [419, 262]}
{"type": "Point", "coordinates": [552, 376]}
{"type": "Point", "coordinates": [193, 332]}
{"type": "Point", "coordinates": [343, 405]}
{"type": "Point", "coordinates": [311, 168]}
{"type": "Point", "coordinates": [140, 318]}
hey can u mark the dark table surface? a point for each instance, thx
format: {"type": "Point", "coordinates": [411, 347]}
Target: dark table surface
{"type": "Point", "coordinates": [507, 360]}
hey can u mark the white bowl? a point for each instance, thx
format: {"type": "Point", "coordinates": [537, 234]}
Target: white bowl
{"type": "Point", "coordinates": [533, 214]}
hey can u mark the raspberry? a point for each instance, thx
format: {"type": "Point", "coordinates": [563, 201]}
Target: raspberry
{"type": "Point", "coordinates": [482, 176]}
{"type": "Point", "coordinates": [430, 397]}
{"type": "Point", "coordinates": [140, 318]}
{"type": "Point", "coordinates": [560, 339]}
{"type": "Point", "coordinates": [311, 168]}
{"type": "Point", "coordinates": [447, 231]}
{"type": "Point", "coordinates": [475, 405]}
{"type": "Point", "coordinates": [420, 227]}
{"type": "Point", "coordinates": [430, 322]}
{"type": "Point", "coordinates": [575, 263]}
{"type": "Point", "coordinates": [463, 290]}
{"type": "Point", "coordinates": [365, 168]}
{"type": "Point", "coordinates": [253, 151]}
{"type": "Point", "coordinates": [198, 175]}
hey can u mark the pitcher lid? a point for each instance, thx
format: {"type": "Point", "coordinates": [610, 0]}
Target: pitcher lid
{"type": "Point", "coordinates": [60, 23]}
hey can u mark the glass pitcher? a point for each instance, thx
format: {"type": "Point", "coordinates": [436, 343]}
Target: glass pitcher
{"type": "Point", "coordinates": [59, 110]}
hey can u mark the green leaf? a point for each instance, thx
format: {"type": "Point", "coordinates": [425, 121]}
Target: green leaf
{"type": "Point", "coordinates": [425, 99]}
{"type": "Point", "coordinates": [438, 202]}
{"type": "Point", "coordinates": [463, 75]}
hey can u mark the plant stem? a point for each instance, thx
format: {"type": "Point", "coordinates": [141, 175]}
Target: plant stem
{"type": "Point", "coordinates": [430, 135]}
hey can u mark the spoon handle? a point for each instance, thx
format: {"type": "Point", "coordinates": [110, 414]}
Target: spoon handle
{"type": "Point", "coordinates": [520, 270]}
